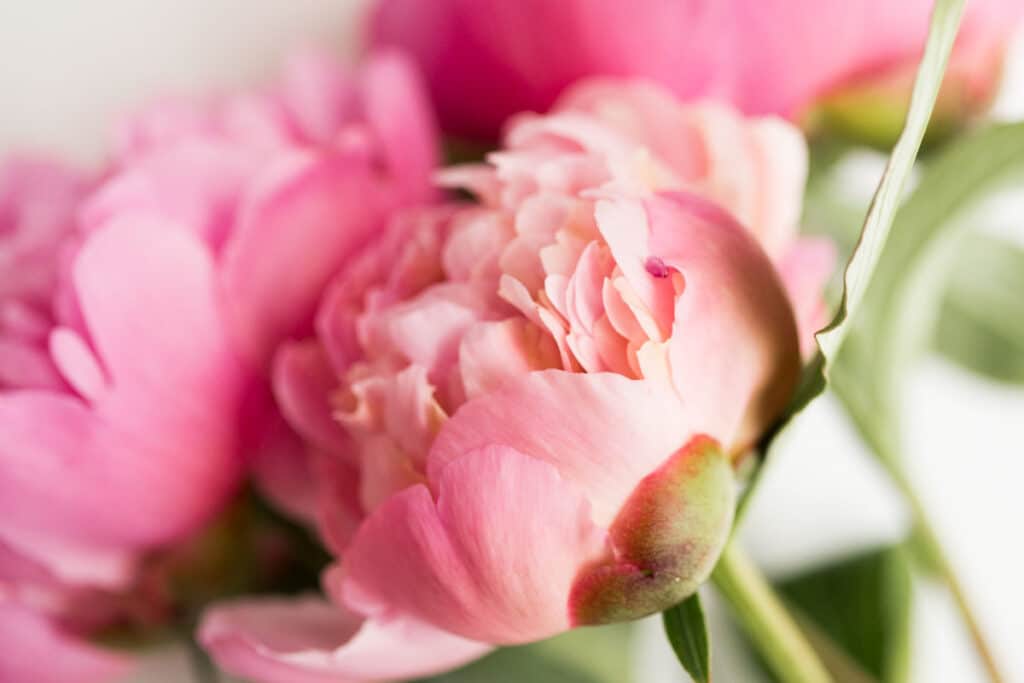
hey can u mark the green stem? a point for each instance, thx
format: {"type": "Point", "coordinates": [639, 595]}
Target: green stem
{"type": "Point", "coordinates": [766, 621]}
{"type": "Point", "coordinates": [937, 556]}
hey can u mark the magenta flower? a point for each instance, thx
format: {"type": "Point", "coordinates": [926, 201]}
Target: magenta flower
{"type": "Point", "coordinates": [523, 413]}
{"type": "Point", "coordinates": [486, 59]}
{"type": "Point", "coordinates": [137, 320]}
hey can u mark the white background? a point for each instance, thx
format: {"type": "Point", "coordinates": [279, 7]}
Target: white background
{"type": "Point", "coordinates": [67, 68]}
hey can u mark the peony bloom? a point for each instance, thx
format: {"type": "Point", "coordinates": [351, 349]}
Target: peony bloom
{"type": "Point", "coordinates": [488, 59]}
{"type": "Point", "coordinates": [279, 187]}
{"type": "Point", "coordinates": [525, 411]}
{"type": "Point", "coordinates": [138, 314]}
{"type": "Point", "coordinates": [40, 558]}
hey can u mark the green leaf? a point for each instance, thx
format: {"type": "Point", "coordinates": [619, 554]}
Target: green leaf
{"type": "Point", "coordinates": [981, 324]}
{"type": "Point", "coordinates": [905, 298]}
{"type": "Point", "coordinates": [878, 223]}
{"type": "Point", "coordinates": [583, 655]}
{"type": "Point", "coordinates": [862, 606]}
{"type": "Point", "coordinates": [880, 214]}
{"type": "Point", "coordinates": [688, 634]}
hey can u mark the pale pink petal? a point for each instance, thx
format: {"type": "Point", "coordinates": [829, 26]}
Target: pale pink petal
{"type": "Point", "coordinates": [34, 649]}
{"type": "Point", "coordinates": [603, 432]}
{"type": "Point", "coordinates": [72, 562]}
{"type": "Point", "coordinates": [77, 364]}
{"type": "Point", "coordinates": [468, 562]}
{"type": "Point", "coordinates": [734, 352]}
{"type": "Point", "coordinates": [624, 226]}
{"type": "Point", "coordinates": [308, 640]}
{"type": "Point", "coordinates": [319, 94]}
{"type": "Point", "coordinates": [196, 184]}
{"type": "Point", "coordinates": [805, 270]}
{"type": "Point", "coordinates": [425, 330]}
{"type": "Point", "coordinates": [781, 152]}
{"type": "Point", "coordinates": [492, 353]}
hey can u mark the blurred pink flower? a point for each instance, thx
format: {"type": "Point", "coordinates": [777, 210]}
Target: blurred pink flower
{"type": "Point", "coordinates": [522, 413]}
{"type": "Point", "coordinates": [137, 318]}
{"type": "Point", "coordinates": [280, 186]}
{"type": "Point", "coordinates": [487, 59]}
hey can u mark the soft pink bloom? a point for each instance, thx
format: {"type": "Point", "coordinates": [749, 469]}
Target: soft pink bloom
{"type": "Point", "coordinates": [280, 186]}
{"type": "Point", "coordinates": [522, 413]}
{"type": "Point", "coordinates": [138, 317]}
{"type": "Point", "coordinates": [487, 59]}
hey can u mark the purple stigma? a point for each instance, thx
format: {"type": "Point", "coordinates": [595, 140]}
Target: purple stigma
{"type": "Point", "coordinates": [656, 267]}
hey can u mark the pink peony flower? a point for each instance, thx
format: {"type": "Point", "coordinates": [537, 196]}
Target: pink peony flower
{"type": "Point", "coordinates": [137, 319]}
{"type": "Point", "coordinates": [280, 187]}
{"type": "Point", "coordinates": [524, 412]}
{"type": "Point", "coordinates": [486, 60]}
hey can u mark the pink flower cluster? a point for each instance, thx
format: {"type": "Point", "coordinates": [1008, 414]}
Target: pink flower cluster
{"type": "Point", "coordinates": [139, 309]}
{"type": "Point", "coordinates": [504, 416]}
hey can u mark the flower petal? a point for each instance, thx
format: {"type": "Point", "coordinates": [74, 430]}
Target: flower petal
{"type": "Point", "coordinates": [734, 354]}
{"type": "Point", "coordinates": [148, 297]}
{"type": "Point", "coordinates": [299, 223]}
{"type": "Point", "coordinates": [601, 431]}
{"type": "Point", "coordinates": [805, 270]}
{"type": "Point", "coordinates": [493, 559]}
{"type": "Point", "coordinates": [308, 640]}
{"type": "Point", "coordinates": [34, 648]}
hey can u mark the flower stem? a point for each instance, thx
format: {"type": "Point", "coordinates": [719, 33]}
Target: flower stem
{"type": "Point", "coordinates": [937, 556]}
{"type": "Point", "coordinates": [766, 621]}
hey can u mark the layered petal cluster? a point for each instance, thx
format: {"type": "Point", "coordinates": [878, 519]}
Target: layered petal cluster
{"type": "Point", "coordinates": [488, 59]}
{"type": "Point", "coordinates": [139, 311]}
{"type": "Point", "coordinates": [523, 412]}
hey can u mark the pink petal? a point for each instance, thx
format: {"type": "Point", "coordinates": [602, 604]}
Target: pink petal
{"type": "Point", "coordinates": [304, 380]}
{"type": "Point", "coordinates": [398, 110]}
{"type": "Point", "coordinates": [72, 562]}
{"type": "Point", "coordinates": [308, 640]}
{"type": "Point", "coordinates": [425, 330]}
{"type": "Point", "coordinates": [26, 366]}
{"type": "Point", "coordinates": [623, 225]}
{"type": "Point", "coordinates": [493, 353]}
{"type": "Point", "coordinates": [320, 95]}
{"type": "Point", "coordinates": [805, 270]}
{"type": "Point", "coordinates": [196, 184]}
{"type": "Point", "coordinates": [492, 559]}
{"type": "Point", "coordinates": [77, 364]}
{"type": "Point", "coordinates": [33, 648]}
{"type": "Point", "coordinates": [734, 353]}
{"type": "Point", "coordinates": [603, 432]}
{"type": "Point", "coordinates": [148, 296]}
{"type": "Point", "coordinates": [280, 463]}
{"type": "Point", "coordinates": [313, 211]}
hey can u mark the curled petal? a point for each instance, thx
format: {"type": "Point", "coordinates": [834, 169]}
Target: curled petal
{"type": "Point", "coordinates": [734, 353]}
{"type": "Point", "coordinates": [308, 640]}
{"type": "Point", "coordinates": [601, 431]}
{"type": "Point", "coordinates": [470, 562]}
